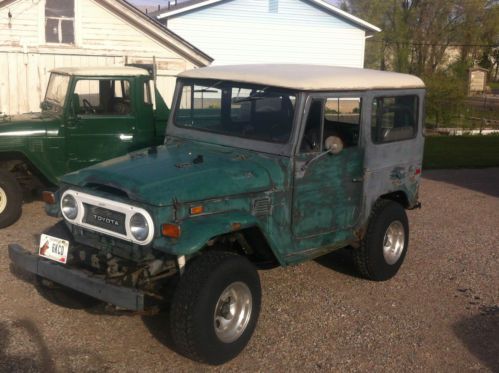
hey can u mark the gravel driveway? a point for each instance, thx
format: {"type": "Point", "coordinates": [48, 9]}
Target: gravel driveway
{"type": "Point", "coordinates": [440, 313]}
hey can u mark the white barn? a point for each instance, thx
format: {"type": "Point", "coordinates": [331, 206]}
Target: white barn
{"type": "Point", "coordinates": [38, 35]}
{"type": "Point", "coordinates": [270, 31]}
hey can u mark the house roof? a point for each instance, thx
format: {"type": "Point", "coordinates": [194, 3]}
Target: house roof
{"type": "Point", "coordinates": [151, 27]}
{"type": "Point", "coordinates": [191, 5]}
{"type": "Point", "coordinates": [102, 71]}
{"type": "Point", "coordinates": [307, 77]}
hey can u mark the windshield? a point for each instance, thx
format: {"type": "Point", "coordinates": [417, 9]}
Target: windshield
{"type": "Point", "coordinates": [236, 109]}
{"type": "Point", "coordinates": [57, 88]}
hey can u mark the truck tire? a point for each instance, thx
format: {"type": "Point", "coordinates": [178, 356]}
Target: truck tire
{"type": "Point", "coordinates": [384, 246]}
{"type": "Point", "coordinates": [11, 199]}
{"type": "Point", "coordinates": [215, 307]}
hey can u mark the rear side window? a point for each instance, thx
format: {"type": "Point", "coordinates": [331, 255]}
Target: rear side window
{"type": "Point", "coordinates": [394, 118]}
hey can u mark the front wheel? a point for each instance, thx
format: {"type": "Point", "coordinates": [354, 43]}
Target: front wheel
{"type": "Point", "coordinates": [215, 307]}
{"type": "Point", "coordinates": [11, 199]}
{"type": "Point", "coordinates": [384, 245]}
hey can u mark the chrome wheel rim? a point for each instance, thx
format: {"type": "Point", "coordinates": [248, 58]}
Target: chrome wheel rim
{"type": "Point", "coordinates": [393, 242]}
{"type": "Point", "coordinates": [3, 200]}
{"type": "Point", "coordinates": [233, 312]}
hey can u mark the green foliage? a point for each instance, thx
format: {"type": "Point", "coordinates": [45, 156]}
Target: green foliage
{"type": "Point", "coordinates": [445, 95]}
{"type": "Point", "coordinates": [461, 152]}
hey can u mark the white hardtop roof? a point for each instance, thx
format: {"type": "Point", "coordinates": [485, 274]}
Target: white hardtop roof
{"type": "Point", "coordinates": [102, 71]}
{"type": "Point", "coordinates": [307, 77]}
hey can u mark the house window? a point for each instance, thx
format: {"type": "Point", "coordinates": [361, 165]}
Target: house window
{"type": "Point", "coordinates": [273, 6]}
{"type": "Point", "coordinates": [59, 21]}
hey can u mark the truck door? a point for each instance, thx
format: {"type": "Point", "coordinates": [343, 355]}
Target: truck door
{"type": "Point", "coordinates": [327, 193]}
{"type": "Point", "coordinates": [102, 121]}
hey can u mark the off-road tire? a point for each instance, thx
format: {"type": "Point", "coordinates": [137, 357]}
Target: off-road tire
{"type": "Point", "coordinates": [369, 258]}
{"type": "Point", "coordinates": [11, 207]}
{"type": "Point", "coordinates": [194, 303]}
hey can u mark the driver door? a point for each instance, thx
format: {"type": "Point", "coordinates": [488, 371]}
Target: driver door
{"type": "Point", "coordinates": [102, 122]}
{"type": "Point", "coordinates": [327, 192]}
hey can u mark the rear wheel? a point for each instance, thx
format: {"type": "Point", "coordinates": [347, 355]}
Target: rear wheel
{"type": "Point", "coordinates": [11, 199]}
{"type": "Point", "coordinates": [215, 307]}
{"type": "Point", "coordinates": [384, 246]}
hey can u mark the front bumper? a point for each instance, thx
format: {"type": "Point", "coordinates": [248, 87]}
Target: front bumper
{"type": "Point", "coordinates": [124, 297]}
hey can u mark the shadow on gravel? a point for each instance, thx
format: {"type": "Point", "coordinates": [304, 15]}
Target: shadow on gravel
{"type": "Point", "coordinates": [23, 363]}
{"type": "Point", "coordinates": [340, 261]}
{"type": "Point", "coordinates": [484, 181]}
{"type": "Point", "coordinates": [159, 326]}
{"type": "Point", "coordinates": [480, 334]}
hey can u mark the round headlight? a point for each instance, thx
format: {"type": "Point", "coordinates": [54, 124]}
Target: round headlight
{"type": "Point", "coordinates": [139, 227]}
{"type": "Point", "coordinates": [69, 207]}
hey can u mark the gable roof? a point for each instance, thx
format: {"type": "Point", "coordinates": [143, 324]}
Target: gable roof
{"type": "Point", "coordinates": [152, 28]}
{"type": "Point", "coordinates": [192, 5]}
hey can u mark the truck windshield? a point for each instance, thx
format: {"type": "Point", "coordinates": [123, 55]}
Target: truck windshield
{"type": "Point", "coordinates": [236, 109]}
{"type": "Point", "coordinates": [57, 89]}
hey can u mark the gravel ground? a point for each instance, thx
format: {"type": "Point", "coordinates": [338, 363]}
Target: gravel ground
{"type": "Point", "coordinates": [440, 313]}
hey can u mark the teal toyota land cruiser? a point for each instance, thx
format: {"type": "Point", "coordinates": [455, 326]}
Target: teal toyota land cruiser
{"type": "Point", "coordinates": [262, 166]}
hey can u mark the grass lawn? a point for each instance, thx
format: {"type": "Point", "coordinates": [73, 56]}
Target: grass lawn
{"type": "Point", "coordinates": [461, 152]}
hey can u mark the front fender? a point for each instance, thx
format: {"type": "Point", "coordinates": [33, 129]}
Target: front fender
{"type": "Point", "coordinates": [197, 231]}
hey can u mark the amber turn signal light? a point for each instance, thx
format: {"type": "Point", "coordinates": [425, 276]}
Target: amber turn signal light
{"type": "Point", "coordinates": [48, 197]}
{"type": "Point", "coordinates": [170, 230]}
{"type": "Point", "coordinates": [196, 210]}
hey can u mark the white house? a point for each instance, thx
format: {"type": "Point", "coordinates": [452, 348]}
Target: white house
{"type": "Point", "coordinates": [38, 35]}
{"type": "Point", "coordinates": [267, 31]}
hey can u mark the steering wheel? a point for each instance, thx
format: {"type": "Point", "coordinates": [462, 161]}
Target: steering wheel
{"type": "Point", "coordinates": [311, 139]}
{"type": "Point", "coordinates": [88, 106]}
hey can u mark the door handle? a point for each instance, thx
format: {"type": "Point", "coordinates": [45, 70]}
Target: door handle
{"type": "Point", "coordinates": [357, 179]}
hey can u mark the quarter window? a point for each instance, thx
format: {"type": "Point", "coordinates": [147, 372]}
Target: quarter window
{"type": "Point", "coordinates": [394, 118]}
{"type": "Point", "coordinates": [59, 21]}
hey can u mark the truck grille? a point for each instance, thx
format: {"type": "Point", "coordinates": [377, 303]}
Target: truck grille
{"type": "Point", "coordinates": [105, 218]}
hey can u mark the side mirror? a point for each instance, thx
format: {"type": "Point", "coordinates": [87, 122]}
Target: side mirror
{"type": "Point", "coordinates": [44, 105]}
{"type": "Point", "coordinates": [333, 144]}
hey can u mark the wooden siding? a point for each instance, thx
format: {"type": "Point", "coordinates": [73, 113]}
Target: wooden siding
{"type": "Point", "coordinates": [249, 31]}
{"type": "Point", "coordinates": [101, 39]}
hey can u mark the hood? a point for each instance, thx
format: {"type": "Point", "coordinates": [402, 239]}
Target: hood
{"type": "Point", "coordinates": [24, 125]}
{"type": "Point", "coordinates": [181, 171]}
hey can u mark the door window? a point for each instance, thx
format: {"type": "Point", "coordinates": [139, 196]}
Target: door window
{"type": "Point", "coordinates": [394, 118]}
{"type": "Point", "coordinates": [102, 97]}
{"type": "Point", "coordinates": [338, 117]}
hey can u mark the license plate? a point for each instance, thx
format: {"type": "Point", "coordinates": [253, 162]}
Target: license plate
{"type": "Point", "coordinates": [53, 248]}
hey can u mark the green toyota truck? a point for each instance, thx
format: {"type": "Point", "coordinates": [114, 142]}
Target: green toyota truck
{"type": "Point", "coordinates": [88, 115]}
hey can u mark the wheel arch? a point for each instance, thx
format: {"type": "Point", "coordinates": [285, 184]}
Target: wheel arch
{"type": "Point", "coordinates": [250, 242]}
{"type": "Point", "coordinates": [13, 161]}
{"type": "Point", "coordinates": [398, 196]}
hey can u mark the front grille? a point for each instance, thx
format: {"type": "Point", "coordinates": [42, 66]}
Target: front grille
{"type": "Point", "coordinates": [105, 218]}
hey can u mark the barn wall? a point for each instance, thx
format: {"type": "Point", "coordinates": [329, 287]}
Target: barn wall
{"type": "Point", "coordinates": [269, 31]}
{"type": "Point", "coordinates": [26, 60]}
